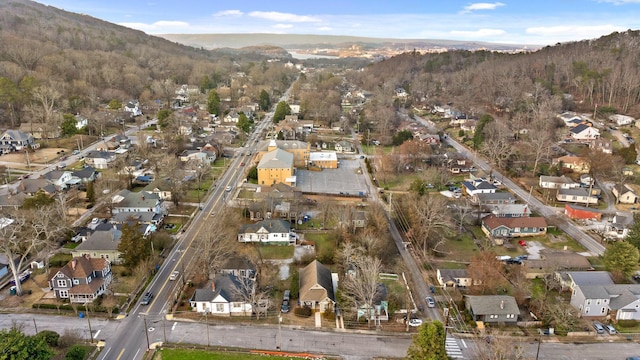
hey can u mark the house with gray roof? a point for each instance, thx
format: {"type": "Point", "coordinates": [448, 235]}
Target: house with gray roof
{"type": "Point", "coordinates": [495, 198]}
{"type": "Point", "coordinates": [557, 182]}
{"type": "Point", "coordinates": [454, 277]}
{"type": "Point", "coordinates": [576, 196]}
{"type": "Point", "coordinates": [316, 287]}
{"type": "Point", "coordinates": [32, 186]}
{"type": "Point", "coordinates": [86, 174]}
{"type": "Point", "coordinates": [493, 308]}
{"type": "Point", "coordinates": [127, 201]}
{"type": "Point", "coordinates": [511, 210]}
{"type": "Point", "coordinates": [595, 294]}
{"type": "Point", "coordinates": [15, 140]}
{"type": "Point", "coordinates": [223, 296]}
{"type": "Point", "coordinates": [60, 178]}
{"type": "Point", "coordinates": [274, 231]}
{"type": "Point", "coordinates": [99, 159]}
{"type": "Point", "coordinates": [101, 244]}
{"type": "Point", "coordinates": [624, 194]}
{"type": "Point", "coordinates": [12, 201]}
{"type": "Point", "coordinates": [239, 266]}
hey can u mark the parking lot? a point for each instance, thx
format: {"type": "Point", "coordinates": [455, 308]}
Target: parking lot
{"type": "Point", "coordinates": [345, 180]}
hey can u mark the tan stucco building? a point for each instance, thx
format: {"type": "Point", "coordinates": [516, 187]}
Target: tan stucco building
{"type": "Point", "coordinates": [299, 149]}
{"type": "Point", "coordinates": [275, 167]}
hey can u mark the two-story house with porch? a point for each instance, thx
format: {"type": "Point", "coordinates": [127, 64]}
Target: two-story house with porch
{"type": "Point", "coordinates": [82, 279]}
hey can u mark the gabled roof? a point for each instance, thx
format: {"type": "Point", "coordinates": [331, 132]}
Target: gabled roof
{"type": "Point", "coordinates": [84, 173]}
{"type": "Point", "coordinates": [125, 198]}
{"type": "Point", "coordinates": [556, 179]}
{"type": "Point", "coordinates": [493, 222]}
{"type": "Point", "coordinates": [453, 274]}
{"type": "Point", "coordinates": [101, 240]}
{"type": "Point", "coordinates": [573, 192]}
{"type": "Point", "coordinates": [276, 159]}
{"type": "Point", "coordinates": [12, 199]}
{"type": "Point", "coordinates": [82, 266]}
{"type": "Point", "coordinates": [226, 285]}
{"type": "Point", "coordinates": [32, 186]}
{"type": "Point", "coordinates": [622, 189]}
{"type": "Point", "coordinates": [493, 305]}
{"type": "Point", "coordinates": [236, 262]}
{"type": "Point", "coordinates": [17, 135]}
{"type": "Point", "coordinates": [55, 174]}
{"type": "Point", "coordinates": [272, 226]}
{"type": "Point", "coordinates": [496, 196]}
{"type": "Point", "coordinates": [97, 154]}
{"type": "Point", "coordinates": [587, 278]}
{"type": "Point", "coordinates": [579, 128]}
{"type": "Point", "coordinates": [316, 283]}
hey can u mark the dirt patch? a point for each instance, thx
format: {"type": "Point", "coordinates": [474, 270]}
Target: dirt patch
{"type": "Point", "coordinates": [37, 157]}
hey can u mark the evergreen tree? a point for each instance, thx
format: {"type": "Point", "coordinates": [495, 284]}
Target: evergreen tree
{"type": "Point", "coordinates": [621, 258]}
{"type": "Point", "coordinates": [428, 343]}
{"type": "Point", "coordinates": [478, 136]}
{"type": "Point", "coordinates": [265, 100]}
{"type": "Point", "coordinates": [16, 345]}
{"type": "Point", "coordinates": [133, 246]}
{"type": "Point", "coordinates": [400, 137]}
{"type": "Point", "coordinates": [282, 110]}
{"type": "Point", "coordinates": [68, 126]}
{"type": "Point", "coordinates": [213, 103]}
{"type": "Point", "coordinates": [206, 84]}
{"type": "Point", "coordinates": [243, 123]}
{"type": "Point", "coordinates": [91, 193]}
{"type": "Point", "coordinates": [38, 200]}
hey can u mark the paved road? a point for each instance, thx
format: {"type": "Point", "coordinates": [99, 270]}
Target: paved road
{"type": "Point", "coordinates": [589, 243]}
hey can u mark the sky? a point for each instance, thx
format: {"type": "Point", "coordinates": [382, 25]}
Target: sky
{"type": "Point", "coordinates": [531, 22]}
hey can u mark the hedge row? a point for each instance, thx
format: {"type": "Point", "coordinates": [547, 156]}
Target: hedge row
{"type": "Point", "coordinates": [67, 307]}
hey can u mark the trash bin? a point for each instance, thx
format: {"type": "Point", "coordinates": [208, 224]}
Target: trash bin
{"type": "Point", "coordinates": [13, 291]}
{"type": "Point", "coordinates": [81, 315]}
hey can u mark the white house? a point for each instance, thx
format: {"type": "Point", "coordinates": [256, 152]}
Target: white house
{"type": "Point", "coordinates": [60, 179]}
{"type": "Point", "coordinates": [225, 295]}
{"type": "Point", "coordinates": [477, 186]}
{"type": "Point", "coordinates": [128, 201]}
{"type": "Point", "coordinates": [133, 107]}
{"type": "Point", "coordinates": [81, 122]}
{"type": "Point", "coordinates": [99, 159]}
{"type": "Point", "coordinates": [267, 231]}
{"type": "Point", "coordinates": [622, 120]}
{"type": "Point", "coordinates": [584, 132]}
{"type": "Point", "coordinates": [557, 182]}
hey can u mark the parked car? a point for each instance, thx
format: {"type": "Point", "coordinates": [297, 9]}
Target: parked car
{"type": "Point", "coordinates": [75, 152]}
{"type": "Point", "coordinates": [146, 298]}
{"type": "Point", "coordinates": [598, 326]}
{"type": "Point", "coordinates": [285, 306]}
{"type": "Point", "coordinates": [415, 322]}
{"type": "Point", "coordinates": [610, 329]}
{"type": "Point", "coordinates": [522, 243]}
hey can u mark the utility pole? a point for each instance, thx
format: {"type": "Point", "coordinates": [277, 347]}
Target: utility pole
{"type": "Point", "coordinates": [88, 321]}
{"type": "Point", "coordinates": [35, 325]}
{"type": "Point", "coordinates": [146, 333]}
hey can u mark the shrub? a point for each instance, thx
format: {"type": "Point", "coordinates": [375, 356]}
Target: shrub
{"type": "Point", "coordinates": [75, 352]}
{"type": "Point", "coordinates": [627, 323]}
{"type": "Point", "coordinates": [303, 311]}
{"type": "Point", "coordinates": [50, 337]}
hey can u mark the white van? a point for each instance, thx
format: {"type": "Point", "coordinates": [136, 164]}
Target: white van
{"type": "Point", "coordinates": [174, 275]}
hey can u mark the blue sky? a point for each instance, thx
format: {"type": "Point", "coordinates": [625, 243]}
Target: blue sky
{"type": "Point", "coordinates": [536, 22]}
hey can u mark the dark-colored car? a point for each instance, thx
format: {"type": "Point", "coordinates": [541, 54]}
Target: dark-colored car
{"type": "Point", "coordinates": [146, 298]}
{"type": "Point", "coordinates": [285, 306]}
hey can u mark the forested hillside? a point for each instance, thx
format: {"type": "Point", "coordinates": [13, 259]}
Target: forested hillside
{"type": "Point", "coordinates": [53, 59]}
{"type": "Point", "coordinates": [605, 72]}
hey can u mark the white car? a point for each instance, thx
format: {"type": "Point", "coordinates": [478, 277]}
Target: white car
{"type": "Point", "coordinates": [228, 188]}
{"type": "Point", "coordinates": [174, 275]}
{"type": "Point", "coordinates": [415, 322]}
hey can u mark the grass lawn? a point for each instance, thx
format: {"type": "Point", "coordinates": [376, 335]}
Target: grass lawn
{"type": "Point", "coordinates": [322, 241]}
{"type": "Point", "coordinates": [185, 354]}
{"type": "Point", "coordinates": [462, 248]}
{"type": "Point", "coordinates": [275, 252]}
{"type": "Point", "coordinates": [71, 245]}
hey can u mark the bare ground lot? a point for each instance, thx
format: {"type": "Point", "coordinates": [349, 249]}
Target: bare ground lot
{"type": "Point", "coordinates": [18, 160]}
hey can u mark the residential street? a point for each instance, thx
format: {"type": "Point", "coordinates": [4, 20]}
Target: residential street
{"type": "Point", "coordinates": [591, 244]}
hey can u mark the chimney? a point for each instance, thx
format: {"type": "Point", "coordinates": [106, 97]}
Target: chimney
{"type": "Point", "coordinates": [142, 196]}
{"type": "Point", "coordinates": [74, 262]}
{"type": "Point", "coordinates": [502, 304]}
{"type": "Point", "coordinates": [213, 285]}
{"type": "Point", "coordinates": [86, 256]}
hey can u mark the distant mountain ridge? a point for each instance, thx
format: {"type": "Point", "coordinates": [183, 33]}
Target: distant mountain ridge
{"type": "Point", "coordinates": [307, 41]}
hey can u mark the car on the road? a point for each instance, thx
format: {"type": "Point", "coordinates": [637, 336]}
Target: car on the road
{"type": "Point", "coordinates": [146, 298]}
{"type": "Point", "coordinates": [430, 302]}
{"type": "Point", "coordinates": [241, 164]}
{"type": "Point", "coordinates": [75, 152]}
{"type": "Point", "coordinates": [95, 221]}
{"type": "Point", "coordinates": [228, 188]}
{"type": "Point", "coordinates": [174, 275]}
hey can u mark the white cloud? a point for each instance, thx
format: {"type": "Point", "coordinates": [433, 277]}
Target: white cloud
{"type": "Point", "coordinates": [325, 28]}
{"type": "Point", "coordinates": [478, 33]}
{"type": "Point", "coordinates": [482, 6]}
{"type": "Point", "coordinates": [282, 17]}
{"type": "Point", "coordinates": [229, 13]}
{"type": "Point", "coordinates": [282, 26]}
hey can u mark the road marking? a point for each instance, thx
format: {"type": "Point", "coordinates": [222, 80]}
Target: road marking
{"type": "Point", "coordinates": [174, 326]}
{"type": "Point", "coordinates": [136, 355]}
{"type": "Point", "coordinates": [463, 343]}
{"type": "Point", "coordinates": [96, 335]}
{"type": "Point", "coordinates": [120, 355]}
{"type": "Point", "coordinates": [104, 356]}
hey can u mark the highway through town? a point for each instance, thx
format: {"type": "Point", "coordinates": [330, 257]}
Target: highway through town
{"type": "Point", "coordinates": [589, 243]}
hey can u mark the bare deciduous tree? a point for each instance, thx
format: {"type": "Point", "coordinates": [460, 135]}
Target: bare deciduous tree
{"type": "Point", "coordinates": [214, 247]}
{"type": "Point", "coordinates": [488, 271]}
{"type": "Point", "coordinates": [361, 286]}
{"type": "Point", "coordinates": [30, 232]}
{"type": "Point", "coordinates": [428, 215]}
{"type": "Point", "coordinates": [248, 290]}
